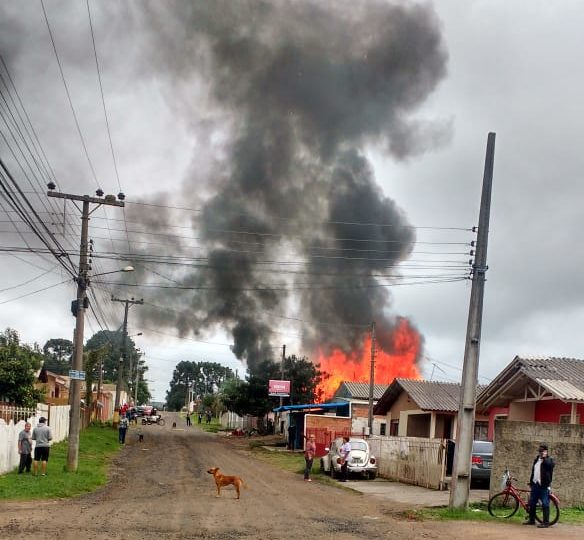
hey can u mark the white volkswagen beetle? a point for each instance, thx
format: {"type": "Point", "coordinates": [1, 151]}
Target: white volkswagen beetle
{"type": "Point", "coordinates": [361, 462]}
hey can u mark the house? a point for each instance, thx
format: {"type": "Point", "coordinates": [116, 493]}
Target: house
{"type": "Point", "coordinates": [357, 395]}
{"type": "Point", "coordinates": [545, 389]}
{"type": "Point", "coordinates": [429, 409]}
{"type": "Point", "coordinates": [55, 387]}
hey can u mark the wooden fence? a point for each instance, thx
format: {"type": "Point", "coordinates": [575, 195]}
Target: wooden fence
{"type": "Point", "coordinates": [412, 460]}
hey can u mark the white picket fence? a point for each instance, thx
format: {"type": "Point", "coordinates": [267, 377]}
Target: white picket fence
{"type": "Point", "coordinates": [412, 460]}
{"type": "Point", "coordinates": [57, 415]}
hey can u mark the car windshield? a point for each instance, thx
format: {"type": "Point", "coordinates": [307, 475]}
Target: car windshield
{"type": "Point", "coordinates": [359, 446]}
{"type": "Point", "coordinates": [482, 447]}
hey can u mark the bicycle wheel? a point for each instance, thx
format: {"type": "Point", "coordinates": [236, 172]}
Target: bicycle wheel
{"type": "Point", "coordinates": [503, 505]}
{"type": "Point", "coordinates": [554, 512]}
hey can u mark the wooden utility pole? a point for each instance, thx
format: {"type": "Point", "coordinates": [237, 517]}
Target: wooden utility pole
{"type": "Point", "coordinates": [459, 490]}
{"type": "Point", "coordinates": [371, 378]}
{"type": "Point", "coordinates": [282, 371]}
{"type": "Point", "coordinates": [127, 304]}
{"type": "Point", "coordinates": [78, 307]}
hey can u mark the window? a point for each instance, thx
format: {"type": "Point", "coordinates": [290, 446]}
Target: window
{"type": "Point", "coordinates": [382, 428]}
{"type": "Point", "coordinates": [394, 428]}
{"type": "Point", "coordinates": [565, 418]}
{"type": "Point", "coordinates": [481, 430]}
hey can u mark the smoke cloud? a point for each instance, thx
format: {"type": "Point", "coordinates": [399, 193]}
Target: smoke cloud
{"type": "Point", "coordinates": [284, 97]}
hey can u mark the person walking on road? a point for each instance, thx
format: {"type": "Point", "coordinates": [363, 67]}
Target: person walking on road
{"type": "Point", "coordinates": [345, 450]}
{"type": "Point", "coordinates": [540, 481]}
{"type": "Point", "coordinates": [309, 452]}
{"type": "Point", "coordinates": [188, 418]}
{"type": "Point", "coordinates": [25, 449]}
{"type": "Point", "coordinates": [122, 429]}
{"type": "Point", "coordinates": [43, 436]}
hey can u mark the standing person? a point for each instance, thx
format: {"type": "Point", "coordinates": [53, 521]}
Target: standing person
{"type": "Point", "coordinates": [188, 418]}
{"type": "Point", "coordinates": [345, 450]}
{"type": "Point", "coordinates": [122, 429]}
{"type": "Point", "coordinates": [43, 436]}
{"type": "Point", "coordinates": [25, 448]}
{"type": "Point", "coordinates": [540, 481]}
{"type": "Point", "coordinates": [309, 452]}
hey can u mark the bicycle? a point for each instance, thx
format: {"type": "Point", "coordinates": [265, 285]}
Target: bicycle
{"type": "Point", "coordinates": [506, 503]}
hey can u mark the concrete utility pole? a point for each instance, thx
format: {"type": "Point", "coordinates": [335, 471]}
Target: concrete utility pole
{"type": "Point", "coordinates": [459, 490]}
{"type": "Point", "coordinates": [78, 307]}
{"type": "Point", "coordinates": [127, 304]}
{"type": "Point", "coordinates": [371, 378]}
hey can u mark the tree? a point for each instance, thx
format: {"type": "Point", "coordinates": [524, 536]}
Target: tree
{"type": "Point", "coordinates": [203, 377]}
{"type": "Point", "coordinates": [57, 354]}
{"type": "Point", "coordinates": [111, 361]}
{"type": "Point", "coordinates": [18, 364]}
{"type": "Point", "coordinates": [252, 397]}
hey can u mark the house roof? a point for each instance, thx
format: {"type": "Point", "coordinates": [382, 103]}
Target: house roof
{"type": "Point", "coordinates": [563, 378]}
{"type": "Point", "coordinates": [427, 395]}
{"type": "Point", "coordinates": [358, 390]}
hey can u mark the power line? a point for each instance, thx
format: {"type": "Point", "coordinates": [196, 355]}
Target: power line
{"type": "Point", "coordinates": [35, 292]}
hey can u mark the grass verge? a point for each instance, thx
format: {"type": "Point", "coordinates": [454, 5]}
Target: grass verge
{"type": "Point", "coordinates": [479, 512]}
{"type": "Point", "coordinates": [97, 445]}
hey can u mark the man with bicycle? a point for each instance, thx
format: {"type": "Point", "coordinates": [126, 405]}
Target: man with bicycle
{"type": "Point", "coordinates": [540, 482]}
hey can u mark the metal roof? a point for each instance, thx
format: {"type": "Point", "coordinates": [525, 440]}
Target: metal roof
{"type": "Point", "coordinates": [427, 395]}
{"type": "Point", "coordinates": [359, 390]}
{"type": "Point", "coordinates": [311, 406]}
{"type": "Point", "coordinates": [562, 377]}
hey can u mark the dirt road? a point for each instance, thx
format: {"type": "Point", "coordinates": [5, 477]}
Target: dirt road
{"type": "Point", "coordinates": [160, 490]}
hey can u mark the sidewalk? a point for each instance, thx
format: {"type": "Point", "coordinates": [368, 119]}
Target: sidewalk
{"type": "Point", "coordinates": [411, 496]}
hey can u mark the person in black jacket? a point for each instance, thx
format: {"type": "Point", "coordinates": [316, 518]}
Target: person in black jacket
{"type": "Point", "coordinates": [540, 481]}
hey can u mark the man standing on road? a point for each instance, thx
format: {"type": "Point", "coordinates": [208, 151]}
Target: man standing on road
{"type": "Point", "coordinates": [345, 450]}
{"type": "Point", "coordinates": [25, 449]}
{"type": "Point", "coordinates": [43, 436]}
{"type": "Point", "coordinates": [540, 481]}
{"type": "Point", "coordinates": [188, 418]}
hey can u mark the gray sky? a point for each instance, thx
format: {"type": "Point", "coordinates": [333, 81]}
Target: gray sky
{"type": "Point", "coordinates": [509, 68]}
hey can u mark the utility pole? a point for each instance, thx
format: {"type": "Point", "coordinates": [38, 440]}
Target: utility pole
{"type": "Point", "coordinates": [127, 304]}
{"type": "Point", "coordinates": [282, 371]}
{"type": "Point", "coordinates": [136, 385]}
{"type": "Point", "coordinates": [78, 308]}
{"type": "Point", "coordinates": [371, 378]}
{"type": "Point", "coordinates": [459, 491]}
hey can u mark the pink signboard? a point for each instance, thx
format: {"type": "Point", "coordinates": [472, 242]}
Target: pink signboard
{"type": "Point", "coordinates": [279, 388]}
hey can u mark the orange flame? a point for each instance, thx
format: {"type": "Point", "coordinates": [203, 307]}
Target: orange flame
{"type": "Point", "coordinates": [355, 366]}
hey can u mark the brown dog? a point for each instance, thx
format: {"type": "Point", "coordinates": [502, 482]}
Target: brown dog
{"type": "Point", "coordinates": [221, 481]}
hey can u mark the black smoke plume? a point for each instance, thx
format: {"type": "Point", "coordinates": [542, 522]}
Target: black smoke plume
{"type": "Point", "coordinates": [292, 220]}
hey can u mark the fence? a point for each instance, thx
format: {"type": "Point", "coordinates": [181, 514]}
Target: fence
{"type": "Point", "coordinates": [58, 420]}
{"type": "Point", "coordinates": [412, 460]}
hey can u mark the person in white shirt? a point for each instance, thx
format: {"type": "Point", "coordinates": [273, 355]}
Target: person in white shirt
{"type": "Point", "coordinates": [345, 450]}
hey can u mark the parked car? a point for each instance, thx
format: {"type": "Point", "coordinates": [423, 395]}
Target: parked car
{"type": "Point", "coordinates": [361, 462]}
{"type": "Point", "coordinates": [482, 461]}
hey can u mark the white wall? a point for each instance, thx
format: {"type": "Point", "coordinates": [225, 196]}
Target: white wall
{"type": "Point", "coordinates": [58, 422]}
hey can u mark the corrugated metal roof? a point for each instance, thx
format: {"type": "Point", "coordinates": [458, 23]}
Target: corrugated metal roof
{"type": "Point", "coordinates": [562, 389]}
{"type": "Point", "coordinates": [552, 372]}
{"type": "Point", "coordinates": [357, 390]}
{"type": "Point", "coordinates": [432, 395]}
{"type": "Point", "coordinates": [311, 406]}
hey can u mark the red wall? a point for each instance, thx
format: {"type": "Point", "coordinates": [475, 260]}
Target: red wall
{"type": "Point", "coordinates": [550, 411]}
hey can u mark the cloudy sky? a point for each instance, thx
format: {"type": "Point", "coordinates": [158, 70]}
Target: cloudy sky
{"type": "Point", "coordinates": [289, 123]}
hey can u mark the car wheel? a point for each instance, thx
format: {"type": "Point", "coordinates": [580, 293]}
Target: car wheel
{"type": "Point", "coordinates": [372, 475]}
